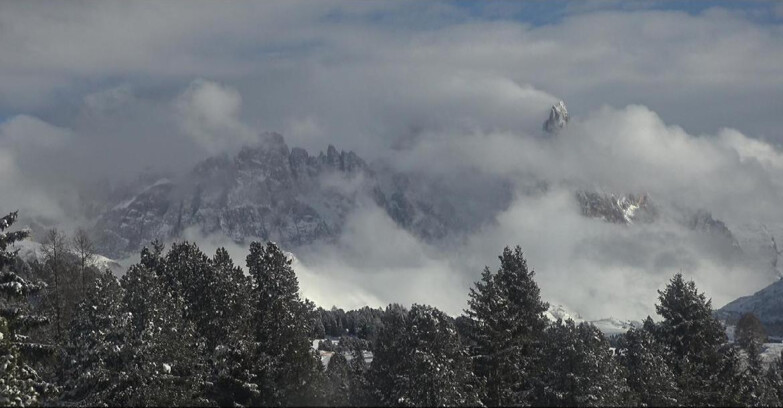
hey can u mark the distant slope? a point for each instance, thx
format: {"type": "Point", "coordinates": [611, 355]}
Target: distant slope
{"type": "Point", "coordinates": [766, 304]}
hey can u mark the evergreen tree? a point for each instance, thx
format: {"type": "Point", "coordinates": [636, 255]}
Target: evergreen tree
{"type": "Point", "coordinates": [580, 369]}
{"type": "Point", "coordinates": [649, 377]}
{"type": "Point", "coordinates": [750, 333]}
{"type": "Point", "coordinates": [166, 352]}
{"type": "Point", "coordinates": [755, 387]}
{"type": "Point", "coordinates": [774, 378]}
{"type": "Point", "coordinates": [100, 358]}
{"type": "Point", "coordinates": [226, 323]}
{"type": "Point", "coordinates": [419, 361]}
{"type": "Point", "coordinates": [360, 391]}
{"type": "Point", "coordinates": [215, 291]}
{"type": "Point", "coordinates": [507, 325]}
{"type": "Point", "coordinates": [20, 384]}
{"type": "Point", "coordinates": [388, 371]}
{"type": "Point", "coordinates": [288, 367]}
{"type": "Point", "coordinates": [338, 381]}
{"type": "Point", "coordinates": [688, 326]}
{"type": "Point", "coordinates": [233, 379]}
{"type": "Point", "coordinates": [695, 338]}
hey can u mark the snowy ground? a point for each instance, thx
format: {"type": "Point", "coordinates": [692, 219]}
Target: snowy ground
{"type": "Point", "coordinates": [327, 355]}
{"type": "Point", "coordinates": [29, 250]}
{"type": "Point", "coordinates": [770, 352]}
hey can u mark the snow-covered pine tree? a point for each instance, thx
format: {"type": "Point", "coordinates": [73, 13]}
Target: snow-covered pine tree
{"type": "Point", "coordinates": [215, 291]}
{"type": "Point", "coordinates": [507, 326]}
{"type": "Point", "coordinates": [649, 377]}
{"type": "Point", "coordinates": [774, 377]}
{"type": "Point", "coordinates": [688, 326]}
{"type": "Point", "coordinates": [420, 361]}
{"type": "Point", "coordinates": [749, 384]}
{"type": "Point", "coordinates": [99, 356]}
{"type": "Point", "coordinates": [388, 371]}
{"type": "Point", "coordinates": [283, 321]}
{"type": "Point", "coordinates": [580, 369]}
{"type": "Point", "coordinates": [20, 385]}
{"type": "Point", "coordinates": [167, 353]}
{"type": "Point", "coordinates": [750, 333]}
{"type": "Point", "coordinates": [360, 394]}
{"type": "Point", "coordinates": [338, 381]}
{"type": "Point", "coordinates": [233, 376]}
{"type": "Point", "coordinates": [695, 339]}
{"type": "Point", "coordinates": [227, 324]}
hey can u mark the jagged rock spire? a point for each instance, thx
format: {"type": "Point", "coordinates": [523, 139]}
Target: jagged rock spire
{"type": "Point", "coordinates": [558, 117]}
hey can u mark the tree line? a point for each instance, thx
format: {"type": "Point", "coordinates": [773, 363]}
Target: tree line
{"type": "Point", "coordinates": [181, 327]}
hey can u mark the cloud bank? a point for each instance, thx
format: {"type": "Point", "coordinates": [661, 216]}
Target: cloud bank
{"type": "Point", "coordinates": [682, 105]}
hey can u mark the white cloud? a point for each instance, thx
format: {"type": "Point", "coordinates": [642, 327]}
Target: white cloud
{"type": "Point", "coordinates": [684, 107]}
{"type": "Point", "coordinates": [209, 113]}
{"type": "Point", "coordinates": [23, 131]}
{"type": "Point", "coordinates": [23, 141]}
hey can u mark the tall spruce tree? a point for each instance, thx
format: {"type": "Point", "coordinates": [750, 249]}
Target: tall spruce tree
{"type": "Point", "coordinates": [214, 290]}
{"type": "Point", "coordinates": [227, 325]}
{"type": "Point", "coordinates": [338, 381]}
{"type": "Point", "coordinates": [360, 391]}
{"type": "Point", "coordinates": [580, 369]}
{"type": "Point", "coordinates": [695, 339]}
{"type": "Point", "coordinates": [20, 384]}
{"type": "Point", "coordinates": [750, 333]}
{"type": "Point", "coordinates": [508, 323]}
{"type": "Point", "coordinates": [288, 368]}
{"type": "Point", "coordinates": [233, 376]}
{"type": "Point", "coordinates": [100, 358]}
{"type": "Point", "coordinates": [419, 361]}
{"type": "Point", "coordinates": [649, 377]}
{"type": "Point", "coordinates": [168, 369]}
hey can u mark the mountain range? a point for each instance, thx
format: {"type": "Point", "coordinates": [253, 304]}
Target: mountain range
{"type": "Point", "coordinates": [270, 191]}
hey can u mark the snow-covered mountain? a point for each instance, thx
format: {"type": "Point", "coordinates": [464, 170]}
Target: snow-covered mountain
{"type": "Point", "coordinates": [558, 118]}
{"type": "Point", "coordinates": [272, 192]}
{"type": "Point", "coordinates": [625, 209]}
{"type": "Point", "coordinates": [608, 326]}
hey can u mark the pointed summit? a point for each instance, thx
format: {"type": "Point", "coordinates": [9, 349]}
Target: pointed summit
{"type": "Point", "coordinates": [558, 117]}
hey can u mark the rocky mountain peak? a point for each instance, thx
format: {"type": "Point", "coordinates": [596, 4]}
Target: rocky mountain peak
{"type": "Point", "coordinates": [558, 118]}
{"type": "Point", "coordinates": [266, 191]}
{"type": "Point", "coordinates": [625, 209]}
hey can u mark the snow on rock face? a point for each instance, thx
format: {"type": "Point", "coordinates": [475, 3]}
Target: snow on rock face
{"type": "Point", "coordinates": [625, 209]}
{"type": "Point", "coordinates": [558, 118]}
{"type": "Point", "coordinates": [640, 209]}
{"type": "Point", "coordinates": [607, 326]}
{"type": "Point", "coordinates": [561, 312]}
{"type": "Point", "coordinates": [270, 192]}
{"type": "Point", "coordinates": [267, 191]}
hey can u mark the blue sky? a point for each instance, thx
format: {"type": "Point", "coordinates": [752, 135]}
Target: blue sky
{"type": "Point", "coordinates": [553, 11]}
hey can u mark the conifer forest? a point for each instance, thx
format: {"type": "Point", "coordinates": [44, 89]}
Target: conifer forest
{"type": "Point", "coordinates": [184, 328]}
